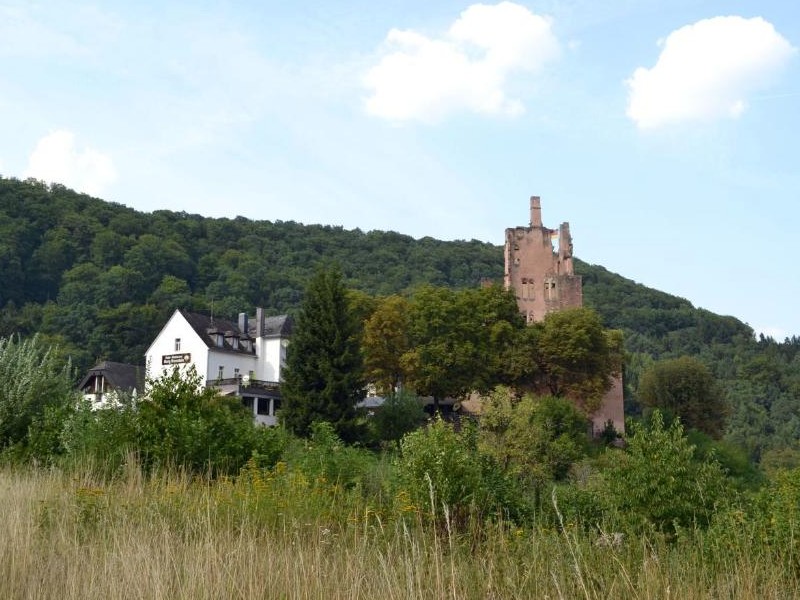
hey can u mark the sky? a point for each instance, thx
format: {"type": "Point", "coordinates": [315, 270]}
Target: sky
{"type": "Point", "coordinates": [666, 132]}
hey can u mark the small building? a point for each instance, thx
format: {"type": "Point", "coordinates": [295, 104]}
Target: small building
{"type": "Point", "coordinates": [243, 358]}
{"type": "Point", "coordinates": [107, 379]}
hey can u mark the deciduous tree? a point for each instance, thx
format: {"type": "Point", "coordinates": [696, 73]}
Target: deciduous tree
{"type": "Point", "coordinates": [686, 388]}
{"type": "Point", "coordinates": [578, 357]}
{"type": "Point", "coordinates": [385, 341]}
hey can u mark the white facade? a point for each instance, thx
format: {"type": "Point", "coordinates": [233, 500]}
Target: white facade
{"type": "Point", "coordinates": [238, 358]}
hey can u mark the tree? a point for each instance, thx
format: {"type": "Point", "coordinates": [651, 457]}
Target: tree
{"type": "Point", "coordinates": [400, 413]}
{"type": "Point", "coordinates": [443, 359]}
{"type": "Point", "coordinates": [384, 343]}
{"type": "Point", "coordinates": [455, 338]}
{"type": "Point", "coordinates": [658, 481]}
{"type": "Point", "coordinates": [578, 357]}
{"type": "Point", "coordinates": [35, 381]}
{"type": "Point", "coordinates": [534, 439]}
{"type": "Point", "coordinates": [182, 422]}
{"type": "Point", "coordinates": [685, 387]}
{"type": "Point", "coordinates": [323, 377]}
{"type": "Point", "coordinates": [499, 330]}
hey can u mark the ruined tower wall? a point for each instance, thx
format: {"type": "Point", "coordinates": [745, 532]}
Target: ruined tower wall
{"type": "Point", "coordinates": [543, 280]}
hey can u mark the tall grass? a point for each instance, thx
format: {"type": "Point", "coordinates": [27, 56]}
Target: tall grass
{"type": "Point", "coordinates": [278, 534]}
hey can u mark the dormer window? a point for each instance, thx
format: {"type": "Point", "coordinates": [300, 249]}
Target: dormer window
{"type": "Point", "coordinates": [235, 343]}
{"type": "Point", "coordinates": [220, 340]}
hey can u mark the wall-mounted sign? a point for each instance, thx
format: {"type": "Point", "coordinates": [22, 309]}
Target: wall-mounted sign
{"type": "Point", "coordinates": [176, 359]}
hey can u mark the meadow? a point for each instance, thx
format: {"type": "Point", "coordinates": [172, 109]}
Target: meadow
{"type": "Point", "coordinates": [277, 533]}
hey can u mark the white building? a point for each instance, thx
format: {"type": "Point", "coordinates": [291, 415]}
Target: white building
{"type": "Point", "coordinates": [243, 359]}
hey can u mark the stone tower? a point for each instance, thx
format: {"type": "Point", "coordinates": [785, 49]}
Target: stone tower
{"type": "Point", "coordinates": [544, 281]}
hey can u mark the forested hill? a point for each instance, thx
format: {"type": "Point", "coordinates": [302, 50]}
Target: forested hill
{"type": "Point", "coordinates": [101, 279]}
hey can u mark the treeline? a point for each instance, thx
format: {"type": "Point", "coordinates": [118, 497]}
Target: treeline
{"type": "Point", "coordinates": [98, 280]}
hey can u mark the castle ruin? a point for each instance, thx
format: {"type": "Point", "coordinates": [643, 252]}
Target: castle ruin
{"type": "Point", "coordinates": [544, 281]}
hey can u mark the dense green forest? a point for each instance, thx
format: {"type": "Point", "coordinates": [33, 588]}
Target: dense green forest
{"type": "Point", "coordinates": [99, 279]}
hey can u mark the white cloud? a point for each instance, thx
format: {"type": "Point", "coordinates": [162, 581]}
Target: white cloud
{"type": "Point", "coordinates": [706, 71]}
{"type": "Point", "coordinates": [425, 78]}
{"type": "Point", "coordinates": [56, 159]}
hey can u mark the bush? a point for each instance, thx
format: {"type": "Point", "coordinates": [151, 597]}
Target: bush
{"type": "Point", "coordinates": [36, 392]}
{"type": "Point", "coordinates": [400, 414]}
{"type": "Point", "coordinates": [439, 467]}
{"type": "Point", "coordinates": [182, 423]}
{"type": "Point", "coordinates": [657, 481]}
{"type": "Point", "coordinates": [325, 458]}
{"type": "Point", "coordinates": [535, 439]}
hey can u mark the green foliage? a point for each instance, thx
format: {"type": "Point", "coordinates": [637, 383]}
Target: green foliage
{"type": "Point", "coordinates": [106, 437]}
{"type": "Point", "coordinates": [385, 342]}
{"type": "Point", "coordinates": [731, 457]}
{"type": "Point", "coordinates": [325, 458]}
{"type": "Point", "coordinates": [777, 509]}
{"type": "Point", "coordinates": [444, 470]}
{"type": "Point", "coordinates": [116, 273]}
{"type": "Point", "coordinates": [400, 414]}
{"type": "Point", "coordinates": [578, 357]}
{"type": "Point", "coordinates": [181, 422]}
{"type": "Point", "coordinates": [457, 340]}
{"type": "Point", "coordinates": [657, 481]}
{"type": "Point", "coordinates": [686, 388]}
{"type": "Point", "coordinates": [323, 375]}
{"type": "Point", "coordinates": [442, 358]}
{"type": "Point", "coordinates": [535, 439]}
{"type": "Point", "coordinates": [36, 388]}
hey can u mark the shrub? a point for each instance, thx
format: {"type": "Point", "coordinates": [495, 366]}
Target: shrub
{"type": "Point", "coordinates": [325, 458]}
{"type": "Point", "coordinates": [36, 391]}
{"type": "Point", "coordinates": [535, 439]}
{"type": "Point", "coordinates": [182, 423]}
{"type": "Point", "coordinates": [439, 467]}
{"type": "Point", "coordinates": [657, 481]}
{"type": "Point", "coordinates": [400, 414]}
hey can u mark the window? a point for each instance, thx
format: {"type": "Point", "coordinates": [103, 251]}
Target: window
{"type": "Point", "coordinates": [177, 344]}
{"type": "Point", "coordinates": [263, 406]}
{"type": "Point", "coordinates": [527, 288]}
{"type": "Point", "coordinates": [235, 343]}
{"type": "Point", "coordinates": [247, 401]}
{"type": "Point", "coordinates": [550, 292]}
{"type": "Point", "coordinates": [220, 340]}
{"type": "Point", "coordinates": [221, 372]}
{"type": "Point", "coordinates": [236, 373]}
{"type": "Point", "coordinates": [251, 375]}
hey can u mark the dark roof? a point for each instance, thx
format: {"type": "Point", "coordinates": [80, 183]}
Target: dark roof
{"type": "Point", "coordinates": [121, 376]}
{"type": "Point", "coordinates": [204, 324]}
{"type": "Point", "coordinates": [280, 326]}
{"type": "Point", "coordinates": [277, 326]}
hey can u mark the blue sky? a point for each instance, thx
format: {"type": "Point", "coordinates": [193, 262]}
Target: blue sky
{"type": "Point", "coordinates": [665, 132]}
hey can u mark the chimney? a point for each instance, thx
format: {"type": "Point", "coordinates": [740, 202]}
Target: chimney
{"type": "Point", "coordinates": [243, 322]}
{"type": "Point", "coordinates": [259, 322]}
{"type": "Point", "coordinates": [536, 212]}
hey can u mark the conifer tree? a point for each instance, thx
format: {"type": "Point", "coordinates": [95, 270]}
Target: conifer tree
{"type": "Point", "coordinates": [323, 378]}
